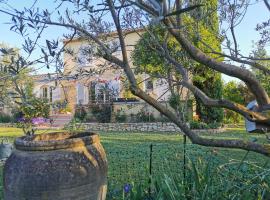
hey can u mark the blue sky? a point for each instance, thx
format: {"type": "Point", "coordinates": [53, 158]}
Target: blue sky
{"type": "Point", "coordinates": [246, 31]}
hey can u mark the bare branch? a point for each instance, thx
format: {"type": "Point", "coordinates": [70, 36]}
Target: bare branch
{"type": "Point", "coordinates": [267, 4]}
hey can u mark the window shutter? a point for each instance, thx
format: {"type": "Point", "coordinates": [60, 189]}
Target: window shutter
{"type": "Point", "coordinates": [56, 94]}
{"type": "Point", "coordinates": [80, 94]}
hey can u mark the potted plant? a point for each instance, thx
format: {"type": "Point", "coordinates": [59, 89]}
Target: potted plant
{"type": "Point", "coordinates": [60, 165]}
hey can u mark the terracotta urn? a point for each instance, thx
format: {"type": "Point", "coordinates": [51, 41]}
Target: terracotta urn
{"type": "Point", "coordinates": [66, 166]}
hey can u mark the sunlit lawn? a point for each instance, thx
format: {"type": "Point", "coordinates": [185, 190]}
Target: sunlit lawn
{"type": "Point", "coordinates": [128, 153]}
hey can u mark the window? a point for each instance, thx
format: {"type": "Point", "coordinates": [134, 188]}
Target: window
{"type": "Point", "coordinates": [3, 68]}
{"type": "Point", "coordinates": [51, 94]}
{"type": "Point", "coordinates": [100, 96]}
{"type": "Point", "coordinates": [45, 93]}
{"type": "Point", "coordinates": [102, 92]}
{"type": "Point", "coordinates": [80, 94]}
{"type": "Point", "coordinates": [92, 91]}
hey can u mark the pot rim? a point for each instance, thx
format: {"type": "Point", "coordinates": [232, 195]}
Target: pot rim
{"type": "Point", "coordinates": [55, 141]}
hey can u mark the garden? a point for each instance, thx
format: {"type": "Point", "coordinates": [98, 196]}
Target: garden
{"type": "Point", "coordinates": [134, 100]}
{"type": "Point", "coordinates": [178, 171]}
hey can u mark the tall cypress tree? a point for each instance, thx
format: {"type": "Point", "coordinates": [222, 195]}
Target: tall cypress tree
{"type": "Point", "coordinates": [210, 82]}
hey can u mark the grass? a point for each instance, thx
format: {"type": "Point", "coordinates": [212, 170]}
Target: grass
{"type": "Point", "coordinates": [128, 157]}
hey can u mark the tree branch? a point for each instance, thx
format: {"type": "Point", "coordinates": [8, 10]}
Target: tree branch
{"type": "Point", "coordinates": [231, 70]}
{"type": "Point", "coordinates": [267, 4]}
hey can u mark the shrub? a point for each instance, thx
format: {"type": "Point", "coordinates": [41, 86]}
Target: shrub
{"type": "Point", "coordinates": [202, 125]}
{"type": "Point", "coordinates": [198, 125]}
{"type": "Point", "coordinates": [214, 125]}
{"type": "Point", "coordinates": [163, 118]}
{"type": "Point", "coordinates": [34, 111]}
{"type": "Point", "coordinates": [61, 106]}
{"type": "Point", "coordinates": [80, 113]}
{"type": "Point", "coordinates": [180, 106]}
{"type": "Point", "coordinates": [74, 125]}
{"type": "Point", "coordinates": [232, 117]}
{"type": "Point", "coordinates": [35, 107]}
{"type": "Point", "coordinates": [120, 117]}
{"type": "Point", "coordinates": [5, 118]}
{"type": "Point", "coordinates": [102, 113]}
{"type": "Point", "coordinates": [145, 117]}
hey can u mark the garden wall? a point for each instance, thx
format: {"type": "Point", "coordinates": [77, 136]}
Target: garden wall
{"type": "Point", "coordinates": [139, 127]}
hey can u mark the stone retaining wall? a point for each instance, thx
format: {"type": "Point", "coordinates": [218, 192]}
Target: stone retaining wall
{"type": "Point", "coordinates": [139, 127]}
{"type": "Point", "coordinates": [129, 127]}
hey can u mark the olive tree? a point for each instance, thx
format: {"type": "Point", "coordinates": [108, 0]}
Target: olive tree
{"type": "Point", "coordinates": [96, 21]}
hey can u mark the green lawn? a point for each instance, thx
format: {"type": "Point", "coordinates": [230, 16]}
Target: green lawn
{"type": "Point", "coordinates": [128, 157]}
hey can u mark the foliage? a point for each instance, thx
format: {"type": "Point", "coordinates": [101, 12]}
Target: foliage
{"type": "Point", "coordinates": [209, 171]}
{"type": "Point", "coordinates": [202, 125]}
{"type": "Point", "coordinates": [102, 113]}
{"type": "Point", "coordinates": [61, 106]}
{"type": "Point", "coordinates": [35, 107]}
{"type": "Point", "coordinates": [15, 82]}
{"type": "Point", "coordinates": [80, 113]}
{"type": "Point", "coordinates": [32, 111]}
{"type": "Point", "coordinates": [74, 125]}
{"type": "Point", "coordinates": [236, 92]}
{"type": "Point", "coordinates": [225, 173]}
{"type": "Point", "coordinates": [203, 181]}
{"type": "Point", "coordinates": [154, 63]}
{"type": "Point", "coordinates": [120, 116]}
{"type": "Point", "coordinates": [5, 118]}
{"type": "Point", "coordinates": [212, 88]}
{"type": "Point", "coordinates": [97, 28]}
{"type": "Point", "coordinates": [182, 107]}
{"type": "Point", "coordinates": [145, 117]}
{"type": "Point", "coordinates": [231, 117]}
{"type": "Point", "coordinates": [260, 52]}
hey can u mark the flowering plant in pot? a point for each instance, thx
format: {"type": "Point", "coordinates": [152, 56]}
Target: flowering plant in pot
{"type": "Point", "coordinates": [33, 111]}
{"type": "Point", "coordinates": [60, 165]}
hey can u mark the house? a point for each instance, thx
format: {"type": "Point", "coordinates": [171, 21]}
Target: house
{"type": "Point", "coordinates": [87, 83]}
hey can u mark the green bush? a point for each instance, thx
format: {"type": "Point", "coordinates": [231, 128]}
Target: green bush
{"type": "Point", "coordinates": [145, 117]}
{"type": "Point", "coordinates": [31, 109]}
{"type": "Point", "coordinates": [202, 125]}
{"type": "Point", "coordinates": [5, 118]}
{"type": "Point", "coordinates": [197, 125]}
{"type": "Point", "coordinates": [232, 117]}
{"type": "Point", "coordinates": [74, 125]}
{"type": "Point", "coordinates": [120, 117]}
{"type": "Point", "coordinates": [181, 106]}
{"type": "Point", "coordinates": [80, 113]}
{"type": "Point", "coordinates": [214, 125]}
{"type": "Point", "coordinates": [35, 107]}
{"type": "Point", "coordinates": [102, 113]}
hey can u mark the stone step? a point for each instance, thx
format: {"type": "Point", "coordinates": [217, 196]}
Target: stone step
{"type": "Point", "coordinates": [59, 120]}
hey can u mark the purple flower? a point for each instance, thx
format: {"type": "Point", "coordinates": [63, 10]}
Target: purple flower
{"type": "Point", "coordinates": [21, 120]}
{"type": "Point", "coordinates": [127, 188]}
{"type": "Point", "coordinates": [38, 120]}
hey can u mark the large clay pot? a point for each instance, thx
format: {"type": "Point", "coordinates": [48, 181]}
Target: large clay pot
{"type": "Point", "coordinates": [54, 166]}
